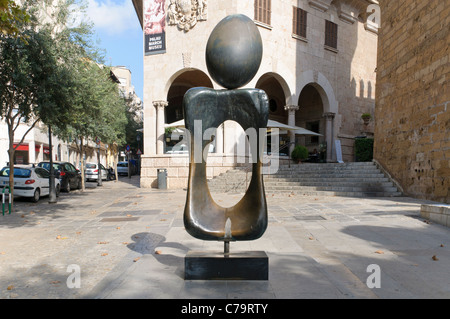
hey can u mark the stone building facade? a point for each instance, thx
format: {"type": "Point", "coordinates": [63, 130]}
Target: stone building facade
{"type": "Point", "coordinates": [412, 132]}
{"type": "Point", "coordinates": [318, 69]}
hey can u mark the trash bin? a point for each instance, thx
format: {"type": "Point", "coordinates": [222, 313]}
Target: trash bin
{"type": "Point", "coordinates": [162, 178]}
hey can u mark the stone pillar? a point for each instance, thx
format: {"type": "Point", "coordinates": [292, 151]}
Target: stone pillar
{"type": "Point", "coordinates": [291, 122]}
{"type": "Point", "coordinates": [160, 105]}
{"type": "Point", "coordinates": [228, 138]}
{"type": "Point", "coordinates": [219, 139]}
{"type": "Point", "coordinates": [329, 134]}
{"type": "Point", "coordinates": [32, 152]}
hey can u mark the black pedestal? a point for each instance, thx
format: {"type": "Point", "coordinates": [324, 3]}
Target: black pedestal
{"type": "Point", "coordinates": [253, 265]}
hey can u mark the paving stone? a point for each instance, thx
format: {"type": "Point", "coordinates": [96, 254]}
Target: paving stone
{"type": "Point", "coordinates": [309, 257]}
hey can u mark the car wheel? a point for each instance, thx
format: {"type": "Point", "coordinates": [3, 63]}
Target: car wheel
{"type": "Point", "coordinates": [68, 186]}
{"type": "Point", "coordinates": [37, 195]}
{"type": "Point", "coordinates": [79, 184]}
{"type": "Point", "coordinates": [58, 189]}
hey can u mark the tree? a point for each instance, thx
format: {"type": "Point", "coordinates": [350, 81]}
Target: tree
{"type": "Point", "coordinates": [31, 82]}
{"type": "Point", "coordinates": [98, 110]}
{"type": "Point", "coordinates": [132, 125]}
{"type": "Point", "coordinates": [39, 70]}
{"type": "Point", "coordinates": [10, 16]}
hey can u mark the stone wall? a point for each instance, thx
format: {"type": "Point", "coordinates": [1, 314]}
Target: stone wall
{"type": "Point", "coordinates": [177, 167]}
{"type": "Point", "coordinates": [412, 131]}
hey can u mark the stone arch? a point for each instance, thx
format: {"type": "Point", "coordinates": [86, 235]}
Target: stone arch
{"type": "Point", "coordinates": [330, 107]}
{"type": "Point", "coordinates": [322, 85]}
{"type": "Point", "coordinates": [188, 75]}
{"type": "Point", "coordinates": [278, 92]}
{"type": "Point", "coordinates": [176, 87]}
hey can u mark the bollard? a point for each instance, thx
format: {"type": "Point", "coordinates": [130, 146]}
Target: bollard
{"type": "Point", "coordinates": [3, 200]}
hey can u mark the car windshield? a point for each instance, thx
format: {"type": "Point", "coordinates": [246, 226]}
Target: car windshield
{"type": "Point", "coordinates": [18, 172]}
{"type": "Point", "coordinates": [123, 164]}
{"type": "Point", "coordinates": [47, 166]}
{"type": "Point", "coordinates": [91, 166]}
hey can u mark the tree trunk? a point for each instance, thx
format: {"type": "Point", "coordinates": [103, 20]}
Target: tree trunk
{"type": "Point", "coordinates": [115, 171]}
{"type": "Point", "coordinates": [52, 187]}
{"type": "Point", "coordinates": [83, 184]}
{"type": "Point", "coordinates": [11, 163]}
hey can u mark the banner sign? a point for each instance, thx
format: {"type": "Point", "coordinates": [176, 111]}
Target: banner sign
{"type": "Point", "coordinates": [154, 27]}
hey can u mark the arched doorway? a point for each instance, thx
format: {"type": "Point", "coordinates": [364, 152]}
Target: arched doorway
{"type": "Point", "coordinates": [184, 81]}
{"type": "Point", "coordinates": [310, 116]}
{"type": "Point", "coordinates": [277, 92]}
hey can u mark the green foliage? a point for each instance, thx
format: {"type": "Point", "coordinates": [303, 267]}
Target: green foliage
{"type": "Point", "coordinates": [364, 149]}
{"type": "Point", "coordinates": [299, 153]}
{"type": "Point", "coordinates": [97, 108]}
{"type": "Point", "coordinates": [50, 73]}
{"type": "Point", "coordinates": [11, 17]}
{"type": "Point", "coordinates": [131, 132]}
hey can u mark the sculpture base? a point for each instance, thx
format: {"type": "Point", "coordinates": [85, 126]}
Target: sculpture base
{"type": "Point", "coordinates": [253, 265]}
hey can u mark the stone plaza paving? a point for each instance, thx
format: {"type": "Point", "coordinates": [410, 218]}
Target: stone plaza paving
{"type": "Point", "coordinates": [120, 241]}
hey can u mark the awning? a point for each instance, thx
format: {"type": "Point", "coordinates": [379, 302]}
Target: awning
{"type": "Point", "coordinates": [297, 129]}
{"type": "Point", "coordinates": [22, 147]}
{"type": "Point", "coordinates": [179, 123]}
{"type": "Point", "coordinates": [46, 150]}
{"type": "Point", "coordinates": [270, 124]}
{"type": "Point", "coordinates": [303, 131]}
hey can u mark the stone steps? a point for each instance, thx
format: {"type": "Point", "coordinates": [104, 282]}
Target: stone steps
{"type": "Point", "coordinates": [349, 179]}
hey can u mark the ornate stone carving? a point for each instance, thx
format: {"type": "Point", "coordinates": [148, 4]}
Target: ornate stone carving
{"type": "Point", "coordinates": [160, 104]}
{"type": "Point", "coordinates": [186, 13]}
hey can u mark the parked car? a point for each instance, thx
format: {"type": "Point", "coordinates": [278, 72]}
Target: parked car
{"type": "Point", "coordinates": [32, 182]}
{"type": "Point", "coordinates": [91, 172]}
{"type": "Point", "coordinates": [68, 175]}
{"type": "Point", "coordinates": [122, 169]}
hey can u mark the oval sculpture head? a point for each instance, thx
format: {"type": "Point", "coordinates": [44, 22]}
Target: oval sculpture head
{"type": "Point", "coordinates": [234, 51]}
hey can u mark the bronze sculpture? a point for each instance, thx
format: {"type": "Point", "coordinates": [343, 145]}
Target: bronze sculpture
{"type": "Point", "coordinates": [233, 56]}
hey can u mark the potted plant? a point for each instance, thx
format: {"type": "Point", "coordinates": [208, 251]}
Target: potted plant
{"type": "Point", "coordinates": [299, 153]}
{"type": "Point", "coordinates": [168, 133]}
{"type": "Point", "coordinates": [366, 118]}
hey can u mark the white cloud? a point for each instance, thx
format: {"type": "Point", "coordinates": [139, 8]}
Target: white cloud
{"type": "Point", "coordinates": [112, 16]}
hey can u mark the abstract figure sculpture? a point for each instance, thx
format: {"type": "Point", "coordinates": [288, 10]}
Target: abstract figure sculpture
{"type": "Point", "coordinates": [233, 56]}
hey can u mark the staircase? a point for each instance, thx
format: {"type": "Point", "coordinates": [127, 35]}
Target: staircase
{"type": "Point", "coordinates": [349, 179]}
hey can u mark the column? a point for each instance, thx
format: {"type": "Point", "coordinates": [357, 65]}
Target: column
{"type": "Point", "coordinates": [228, 138]}
{"type": "Point", "coordinates": [219, 139]}
{"type": "Point", "coordinates": [160, 105]}
{"type": "Point", "coordinates": [329, 134]}
{"type": "Point", "coordinates": [32, 152]}
{"type": "Point", "coordinates": [291, 122]}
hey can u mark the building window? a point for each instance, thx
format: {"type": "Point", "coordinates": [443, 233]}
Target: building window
{"type": "Point", "coordinates": [331, 32]}
{"type": "Point", "coordinates": [262, 11]}
{"type": "Point", "coordinates": [299, 22]}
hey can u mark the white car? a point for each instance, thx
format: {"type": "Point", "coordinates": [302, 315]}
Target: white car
{"type": "Point", "coordinates": [91, 172]}
{"type": "Point", "coordinates": [122, 168]}
{"type": "Point", "coordinates": [32, 182]}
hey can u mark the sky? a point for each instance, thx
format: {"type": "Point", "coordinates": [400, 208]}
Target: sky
{"type": "Point", "coordinates": [119, 33]}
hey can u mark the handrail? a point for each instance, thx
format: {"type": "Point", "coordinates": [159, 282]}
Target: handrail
{"type": "Point", "coordinates": [282, 147]}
